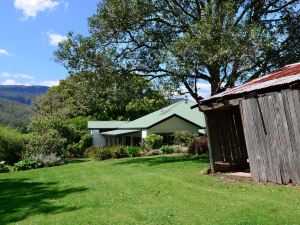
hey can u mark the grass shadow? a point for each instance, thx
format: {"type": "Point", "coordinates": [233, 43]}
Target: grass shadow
{"type": "Point", "coordinates": [158, 160]}
{"type": "Point", "coordinates": [20, 198]}
{"type": "Point", "coordinates": [75, 161]}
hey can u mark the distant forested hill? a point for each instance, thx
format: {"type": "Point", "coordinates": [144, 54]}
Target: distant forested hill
{"type": "Point", "coordinates": [21, 94]}
{"type": "Point", "coordinates": [15, 103]}
{"type": "Point", "coordinates": [14, 114]}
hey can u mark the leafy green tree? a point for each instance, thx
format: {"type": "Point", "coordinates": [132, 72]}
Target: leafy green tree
{"type": "Point", "coordinates": [184, 42]}
{"type": "Point", "coordinates": [64, 111]}
{"type": "Point", "coordinates": [100, 96]}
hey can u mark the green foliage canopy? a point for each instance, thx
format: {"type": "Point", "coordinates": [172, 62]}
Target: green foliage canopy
{"type": "Point", "coordinates": [184, 42]}
{"type": "Point", "coordinates": [101, 96]}
{"type": "Point", "coordinates": [154, 141]}
{"type": "Point", "coordinates": [12, 144]}
{"type": "Point", "coordinates": [183, 137]}
{"type": "Point", "coordinates": [63, 112]}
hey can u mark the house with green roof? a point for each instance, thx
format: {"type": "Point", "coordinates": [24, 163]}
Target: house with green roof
{"type": "Point", "coordinates": [165, 122]}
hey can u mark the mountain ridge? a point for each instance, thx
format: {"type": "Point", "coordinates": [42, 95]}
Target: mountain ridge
{"type": "Point", "coordinates": [22, 94]}
{"type": "Point", "coordinates": [15, 103]}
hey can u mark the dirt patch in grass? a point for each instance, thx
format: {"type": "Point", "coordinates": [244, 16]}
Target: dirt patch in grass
{"type": "Point", "coordinates": [233, 178]}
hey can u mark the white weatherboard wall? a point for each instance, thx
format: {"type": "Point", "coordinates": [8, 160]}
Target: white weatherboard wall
{"type": "Point", "coordinates": [98, 139]}
{"type": "Point", "coordinates": [173, 124]}
{"type": "Point", "coordinates": [144, 134]}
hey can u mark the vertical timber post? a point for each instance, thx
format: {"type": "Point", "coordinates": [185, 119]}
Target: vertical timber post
{"type": "Point", "coordinates": [212, 163]}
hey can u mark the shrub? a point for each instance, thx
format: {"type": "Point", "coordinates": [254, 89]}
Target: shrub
{"type": "Point", "coordinates": [133, 151]}
{"type": "Point", "coordinates": [76, 150]}
{"type": "Point", "coordinates": [48, 160]}
{"type": "Point", "coordinates": [26, 164]}
{"type": "Point", "coordinates": [153, 141]}
{"type": "Point", "coordinates": [121, 152]}
{"type": "Point", "coordinates": [12, 145]}
{"type": "Point", "coordinates": [199, 146]}
{"type": "Point", "coordinates": [183, 138]}
{"type": "Point", "coordinates": [104, 153]}
{"type": "Point", "coordinates": [49, 142]}
{"type": "Point", "coordinates": [86, 141]}
{"type": "Point", "coordinates": [167, 149]}
{"type": "Point", "coordinates": [155, 152]}
{"type": "Point", "coordinates": [73, 150]}
{"type": "Point", "coordinates": [4, 168]}
{"type": "Point", "coordinates": [90, 152]}
{"type": "Point", "coordinates": [180, 149]}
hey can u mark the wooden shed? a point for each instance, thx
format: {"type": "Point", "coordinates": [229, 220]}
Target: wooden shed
{"type": "Point", "coordinates": [257, 125]}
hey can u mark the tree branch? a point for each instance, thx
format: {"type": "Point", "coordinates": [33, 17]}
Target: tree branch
{"type": "Point", "coordinates": [279, 8]}
{"type": "Point", "coordinates": [190, 90]}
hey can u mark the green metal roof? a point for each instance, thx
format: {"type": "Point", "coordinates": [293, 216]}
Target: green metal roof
{"type": "Point", "coordinates": [181, 109]}
{"type": "Point", "coordinates": [118, 132]}
{"type": "Point", "coordinates": [105, 124]}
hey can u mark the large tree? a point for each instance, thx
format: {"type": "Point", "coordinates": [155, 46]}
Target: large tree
{"type": "Point", "coordinates": [101, 96]}
{"type": "Point", "coordinates": [185, 42]}
{"type": "Point", "coordinates": [63, 112]}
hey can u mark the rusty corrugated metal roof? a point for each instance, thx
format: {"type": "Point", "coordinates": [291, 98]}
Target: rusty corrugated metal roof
{"type": "Point", "coordinates": [285, 75]}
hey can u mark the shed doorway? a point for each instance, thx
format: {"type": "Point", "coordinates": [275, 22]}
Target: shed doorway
{"type": "Point", "coordinates": [228, 151]}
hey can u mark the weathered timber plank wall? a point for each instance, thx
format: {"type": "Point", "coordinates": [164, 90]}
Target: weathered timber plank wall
{"type": "Point", "coordinates": [226, 137]}
{"type": "Point", "coordinates": [272, 134]}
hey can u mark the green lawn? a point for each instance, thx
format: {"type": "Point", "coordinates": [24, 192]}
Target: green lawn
{"type": "Point", "coordinates": [149, 190]}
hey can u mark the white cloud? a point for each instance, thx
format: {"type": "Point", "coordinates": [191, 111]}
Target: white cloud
{"type": "Point", "coordinates": [30, 8]}
{"type": "Point", "coordinates": [4, 52]}
{"type": "Point", "coordinates": [24, 79]}
{"type": "Point", "coordinates": [55, 38]}
{"type": "Point", "coordinates": [16, 75]}
{"type": "Point", "coordinates": [10, 82]}
{"type": "Point", "coordinates": [49, 83]}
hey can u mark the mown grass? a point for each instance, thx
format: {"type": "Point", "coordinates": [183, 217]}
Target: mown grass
{"type": "Point", "coordinates": [149, 190]}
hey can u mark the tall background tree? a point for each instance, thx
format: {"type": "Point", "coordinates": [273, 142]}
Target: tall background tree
{"type": "Point", "coordinates": [63, 112]}
{"type": "Point", "coordinates": [180, 43]}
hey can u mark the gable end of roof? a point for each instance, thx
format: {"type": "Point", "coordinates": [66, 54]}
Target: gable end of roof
{"type": "Point", "coordinates": [175, 115]}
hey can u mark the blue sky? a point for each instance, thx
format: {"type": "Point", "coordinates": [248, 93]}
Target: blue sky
{"type": "Point", "coordinates": [30, 32]}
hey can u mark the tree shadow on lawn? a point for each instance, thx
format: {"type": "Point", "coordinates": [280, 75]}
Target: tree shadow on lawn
{"type": "Point", "coordinates": [20, 198]}
{"type": "Point", "coordinates": [157, 160]}
{"type": "Point", "coordinates": [75, 161]}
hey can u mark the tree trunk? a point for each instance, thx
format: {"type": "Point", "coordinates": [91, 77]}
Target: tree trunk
{"type": "Point", "coordinates": [215, 79]}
